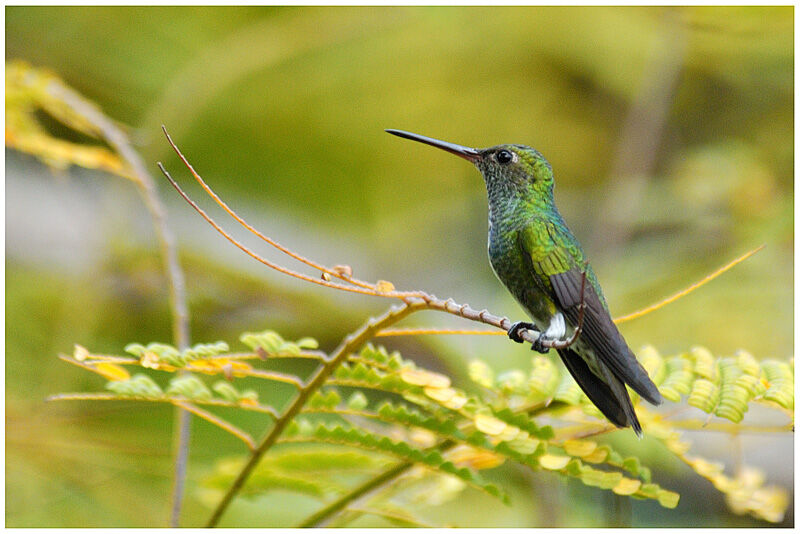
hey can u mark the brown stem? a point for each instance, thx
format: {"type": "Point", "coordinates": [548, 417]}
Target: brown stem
{"type": "Point", "coordinates": [272, 265]}
{"type": "Point", "coordinates": [320, 518]}
{"type": "Point", "coordinates": [210, 192]}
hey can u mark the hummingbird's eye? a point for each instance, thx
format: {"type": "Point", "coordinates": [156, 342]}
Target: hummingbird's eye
{"type": "Point", "coordinates": [504, 156]}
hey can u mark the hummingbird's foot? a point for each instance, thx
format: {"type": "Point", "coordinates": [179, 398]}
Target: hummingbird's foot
{"type": "Point", "coordinates": [513, 332]}
{"type": "Point", "coordinates": [538, 344]}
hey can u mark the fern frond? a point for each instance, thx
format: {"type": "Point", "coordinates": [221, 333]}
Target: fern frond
{"type": "Point", "coordinates": [270, 344]}
{"type": "Point", "coordinates": [509, 435]}
{"type": "Point", "coordinates": [726, 386]}
{"type": "Point", "coordinates": [722, 386]}
{"type": "Point", "coordinates": [745, 493]}
{"type": "Point", "coordinates": [392, 413]}
{"type": "Point", "coordinates": [420, 418]}
{"type": "Point", "coordinates": [323, 460]}
{"type": "Point", "coordinates": [350, 435]}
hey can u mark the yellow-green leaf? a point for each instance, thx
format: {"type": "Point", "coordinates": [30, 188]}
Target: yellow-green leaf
{"type": "Point", "coordinates": [553, 462]}
{"type": "Point", "coordinates": [489, 424]}
{"type": "Point", "coordinates": [627, 486]}
{"type": "Point", "coordinates": [111, 371]}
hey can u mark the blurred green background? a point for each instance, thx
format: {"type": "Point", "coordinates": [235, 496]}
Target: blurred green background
{"type": "Point", "coordinates": [670, 131]}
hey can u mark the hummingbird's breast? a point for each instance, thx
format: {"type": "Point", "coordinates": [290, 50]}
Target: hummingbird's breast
{"type": "Point", "coordinates": [506, 257]}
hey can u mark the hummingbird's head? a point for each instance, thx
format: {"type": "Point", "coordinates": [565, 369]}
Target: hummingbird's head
{"type": "Point", "coordinates": [509, 170]}
{"type": "Point", "coordinates": [518, 168]}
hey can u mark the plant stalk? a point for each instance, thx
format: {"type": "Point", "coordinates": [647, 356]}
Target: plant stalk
{"type": "Point", "coordinates": [117, 139]}
{"type": "Point", "coordinates": [350, 344]}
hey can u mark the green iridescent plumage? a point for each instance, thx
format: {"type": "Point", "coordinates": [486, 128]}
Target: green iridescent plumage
{"type": "Point", "coordinates": [536, 257]}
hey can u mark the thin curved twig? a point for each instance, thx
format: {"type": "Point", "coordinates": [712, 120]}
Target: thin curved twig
{"type": "Point", "coordinates": [271, 265]}
{"type": "Point", "coordinates": [686, 291]}
{"type": "Point", "coordinates": [331, 272]}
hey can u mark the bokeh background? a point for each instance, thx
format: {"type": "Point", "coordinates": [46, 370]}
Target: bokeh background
{"type": "Point", "coordinates": [670, 131]}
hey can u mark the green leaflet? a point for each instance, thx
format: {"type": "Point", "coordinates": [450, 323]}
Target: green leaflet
{"type": "Point", "coordinates": [678, 379]}
{"type": "Point", "coordinates": [703, 362]}
{"type": "Point", "coordinates": [543, 379]}
{"type": "Point", "coordinates": [361, 374]}
{"type": "Point", "coordinates": [321, 458]}
{"type": "Point", "coordinates": [653, 363]}
{"type": "Point", "coordinates": [704, 395]}
{"type": "Point", "coordinates": [381, 358]}
{"type": "Point", "coordinates": [172, 356]}
{"type": "Point", "coordinates": [481, 374]}
{"type": "Point", "coordinates": [320, 399]}
{"type": "Point", "coordinates": [390, 412]}
{"type": "Point", "coordinates": [523, 421]}
{"type": "Point", "coordinates": [274, 345]}
{"type": "Point", "coordinates": [139, 385]}
{"type": "Point", "coordinates": [357, 401]}
{"type": "Point", "coordinates": [190, 387]}
{"type": "Point", "coordinates": [228, 392]}
{"type": "Point", "coordinates": [781, 383]}
{"type": "Point", "coordinates": [513, 381]}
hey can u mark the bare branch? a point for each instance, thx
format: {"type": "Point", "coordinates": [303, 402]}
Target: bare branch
{"type": "Point", "coordinates": [684, 292]}
{"type": "Point", "coordinates": [271, 265]}
{"type": "Point", "coordinates": [337, 273]}
{"type": "Point", "coordinates": [389, 332]}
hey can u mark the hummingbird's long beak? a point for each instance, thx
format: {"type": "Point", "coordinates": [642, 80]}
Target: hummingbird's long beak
{"type": "Point", "coordinates": [469, 154]}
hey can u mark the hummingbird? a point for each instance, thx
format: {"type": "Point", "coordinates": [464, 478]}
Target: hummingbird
{"type": "Point", "coordinates": [541, 263]}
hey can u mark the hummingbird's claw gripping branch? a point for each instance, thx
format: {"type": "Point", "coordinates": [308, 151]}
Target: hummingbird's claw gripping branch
{"type": "Point", "coordinates": [542, 343]}
{"type": "Point", "coordinates": [513, 332]}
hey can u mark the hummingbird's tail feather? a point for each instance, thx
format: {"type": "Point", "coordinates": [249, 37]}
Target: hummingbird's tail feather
{"type": "Point", "coordinates": [613, 351]}
{"type": "Point", "coordinates": [611, 399]}
{"type": "Point", "coordinates": [617, 387]}
{"type": "Point", "coordinates": [637, 378]}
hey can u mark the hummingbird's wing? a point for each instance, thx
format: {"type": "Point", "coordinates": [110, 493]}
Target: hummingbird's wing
{"type": "Point", "coordinates": [557, 261]}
